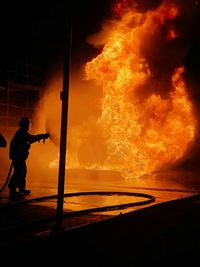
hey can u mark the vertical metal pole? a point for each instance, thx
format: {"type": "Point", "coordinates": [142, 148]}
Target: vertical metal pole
{"type": "Point", "coordinates": [7, 105]}
{"type": "Point", "coordinates": [63, 133]}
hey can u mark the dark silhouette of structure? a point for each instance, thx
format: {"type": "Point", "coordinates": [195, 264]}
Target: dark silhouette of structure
{"type": "Point", "coordinates": [3, 141]}
{"type": "Point", "coordinates": [18, 153]}
{"type": "Point", "coordinates": [20, 85]}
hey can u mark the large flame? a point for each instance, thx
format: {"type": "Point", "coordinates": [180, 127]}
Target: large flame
{"type": "Point", "coordinates": [142, 134]}
{"type": "Point", "coordinates": [145, 119]}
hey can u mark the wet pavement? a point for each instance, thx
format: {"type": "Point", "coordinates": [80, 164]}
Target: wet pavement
{"type": "Point", "coordinates": [35, 220]}
{"type": "Point", "coordinates": [166, 234]}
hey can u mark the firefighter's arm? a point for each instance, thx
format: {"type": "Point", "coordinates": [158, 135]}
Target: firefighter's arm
{"type": "Point", "coordinates": [45, 136]}
{"type": "Point", "coordinates": [38, 137]}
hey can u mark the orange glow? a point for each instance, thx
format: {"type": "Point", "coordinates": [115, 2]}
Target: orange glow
{"type": "Point", "coordinates": [118, 120]}
{"type": "Point", "coordinates": [119, 7]}
{"type": "Point", "coordinates": [141, 135]}
{"type": "Point", "coordinates": [166, 12]}
{"type": "Point", "coordinates": [171, 35]}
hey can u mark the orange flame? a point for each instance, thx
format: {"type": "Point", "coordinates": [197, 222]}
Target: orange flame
{"type": "Point", "coordinates": [171, 35]}
{"type": "Point", "coordinates": [142, 135]}
{"type": "Point", "coordinates": [119, 7]}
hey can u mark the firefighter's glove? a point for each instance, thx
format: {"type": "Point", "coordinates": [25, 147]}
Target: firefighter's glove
{"type": "Point", "coordinates": [45, 136]}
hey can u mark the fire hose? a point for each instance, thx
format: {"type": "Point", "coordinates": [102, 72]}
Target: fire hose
{"type": "Point", "coordinates": [7, 179]}
{"type": "Point", "coordinates": [148, 199]}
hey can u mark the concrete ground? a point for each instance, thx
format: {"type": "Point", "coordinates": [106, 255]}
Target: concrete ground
{"type": "Point", "coordinates": [164, 233]}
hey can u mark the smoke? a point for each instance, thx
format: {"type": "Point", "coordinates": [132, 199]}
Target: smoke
{"type": "Point", "coordinates": [85, 145]}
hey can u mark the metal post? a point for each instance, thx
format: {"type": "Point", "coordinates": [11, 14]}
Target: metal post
{"type": "Point", "coordinates": [63, 133]}
{"type": "Point", "coordinates": [7, 105]}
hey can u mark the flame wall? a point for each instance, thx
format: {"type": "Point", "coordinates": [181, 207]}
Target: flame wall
{"type": "Point", "coordinates": [130, 109]}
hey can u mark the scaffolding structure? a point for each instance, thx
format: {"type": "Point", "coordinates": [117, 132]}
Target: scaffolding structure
{"type": "Point", "coordinates": [18, 95]}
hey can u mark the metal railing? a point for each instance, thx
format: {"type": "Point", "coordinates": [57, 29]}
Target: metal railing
{"type": "Point", "coordinates": [10, 115]}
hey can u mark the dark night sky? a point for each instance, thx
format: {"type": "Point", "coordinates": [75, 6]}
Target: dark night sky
{"type": "Point", "coordinates": [34, 31]}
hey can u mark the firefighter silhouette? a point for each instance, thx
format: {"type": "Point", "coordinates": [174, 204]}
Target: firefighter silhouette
{"type": "Point", "coordinates": [18, 153]}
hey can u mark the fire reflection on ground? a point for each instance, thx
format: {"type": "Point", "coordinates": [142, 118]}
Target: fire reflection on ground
{"type": "Point", "coordinates": [164, 186]}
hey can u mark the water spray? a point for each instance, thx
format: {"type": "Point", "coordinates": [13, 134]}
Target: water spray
{"type": "Point", "coordinates": [52, 135]}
